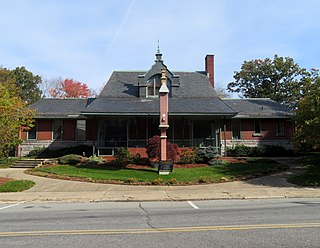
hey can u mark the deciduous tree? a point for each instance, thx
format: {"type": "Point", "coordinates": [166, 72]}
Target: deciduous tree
{"type": "Point", "coordinates": [221, 92]}
{"type": "Point", "coordinates": [13, 113]}
{"type": "Point", "coordinates": [70, 88]}
{"type": "Point", "coordinates": [308, 112]}
{"type": "Point", "coordinates": [278, 79]}
{"type": "Point", "coordinates": [27, 84]}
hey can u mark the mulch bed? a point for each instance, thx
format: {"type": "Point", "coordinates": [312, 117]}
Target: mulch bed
{"type": "Point", "coordinates": [143, 167]}
{"type": "Point", "coordinates": [137, 167]}
{"type": "Point", "coordinates": [4, 180]}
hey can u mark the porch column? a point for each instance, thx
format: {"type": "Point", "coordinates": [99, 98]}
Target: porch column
{"type": "Point", "coordinates": [164, 94]}
{"type": "Point", "coordinates": [225, 137]}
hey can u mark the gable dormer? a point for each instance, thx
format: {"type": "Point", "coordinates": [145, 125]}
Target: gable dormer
{"type": "Point", "coordinates": [150, 83]}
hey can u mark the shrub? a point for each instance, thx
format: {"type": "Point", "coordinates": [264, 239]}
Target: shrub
{"type": "Point", "coordinates": [122, 157]}
{"type": "Point", "coordinates": [259, 151]}
{"type": "Point", "coordinates": [278, 151]}
{"type": "Point", "coordinates": [240, 151]}
{"type": "Point", "coordinates": [95, 159]}
{"type": "Point", "coordinates": [187, 156]}
{"type": "Point", "coordinates": [154, 149]}
{"type": "Point", "coordinates": [37, 151]}
{"type": "Point", "coordinates": [172, 181]}
{"type": "Point", "coordinates": [6, 162]}
{"type": "Point", "coordinates": [71, 159]}
{"type": "Point", "coordinates": [216, 162]}
{"type": "Point", "coordinates": [205, 154]}
{"type": "Point", "coordinates": [131, 180]}
{"type": "Point", "coordinates": [157, 181]}
{"type": "Point", "coordinates": [137, 159]}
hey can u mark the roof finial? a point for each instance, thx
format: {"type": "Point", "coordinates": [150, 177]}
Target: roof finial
{"type": "Point", "coordinates": [158, 51]}
{"type": "Point", "coordinates": [158, 54]}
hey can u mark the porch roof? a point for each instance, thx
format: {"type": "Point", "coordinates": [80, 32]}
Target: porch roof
{"type": "Point", "coordinates": [150, 106]}
{"type": "Point", "coordinates": [258, 108]}
{"type": "Point", "coordinates": [60, 108]}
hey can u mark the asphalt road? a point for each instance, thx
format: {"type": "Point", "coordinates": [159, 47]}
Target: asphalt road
{"type": "Point", "coordinates": [228, 223]}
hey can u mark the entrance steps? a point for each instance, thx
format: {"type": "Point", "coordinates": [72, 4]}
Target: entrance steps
{"type": "Point", "coordinates": [27, 163]}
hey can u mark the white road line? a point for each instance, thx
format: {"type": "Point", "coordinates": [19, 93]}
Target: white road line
{"type": "Point", "coordinates": [193, 205]}
{"type": "Point", "coordinates": [10, 206]}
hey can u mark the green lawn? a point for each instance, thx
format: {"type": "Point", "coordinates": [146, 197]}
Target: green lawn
{"type": "Point", "coordinates": [312, 176]}
{"type": "Point", "coordinates": [178, 176]}
{"type": "Point", "coordinates": [16, 186]}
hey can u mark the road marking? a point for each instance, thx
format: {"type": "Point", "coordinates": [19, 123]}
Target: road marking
{"type": "Point", "coordinates": [193, 205]}
{"type": "Point", "coordinates": [10, 206]}
{"type": "Point", "coordinates": [160, 230]}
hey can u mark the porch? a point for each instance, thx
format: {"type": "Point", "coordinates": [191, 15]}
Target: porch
{"type": "Point", "coordinates": [134, 132]}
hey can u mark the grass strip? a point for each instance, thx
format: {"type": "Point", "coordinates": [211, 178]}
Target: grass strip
{"type": "Point", "coordinates": [16, 186]}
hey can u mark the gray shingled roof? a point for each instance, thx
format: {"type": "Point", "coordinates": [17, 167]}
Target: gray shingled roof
{"type": "Point", "coordinates": [125, 84]}
{"type": "Point", "coordinates": [60, 108]}
{"type": "Point", "coordinates": [150, 106]}
{"type": "Point", "coordinates": [258, 108]}
{"type": "Point", "coordinates": [122, 84]}
{"type": "Point", "coordinates": [192, 94]}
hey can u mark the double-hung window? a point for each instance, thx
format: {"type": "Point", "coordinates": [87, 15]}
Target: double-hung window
{"type": "Point", "coordinates": [32, 132]}
{"type": "Point", "coordinates": [81, 130]}
{"type": "Point", "coordinates": [280, 131]}
{"type": "Point", "coordinates": [236, 129]}
{"type": "Point", "coordinates": [257, 127]}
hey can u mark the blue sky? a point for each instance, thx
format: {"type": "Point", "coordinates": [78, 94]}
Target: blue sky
{"type": "Point", "coordinates": [88, 39]}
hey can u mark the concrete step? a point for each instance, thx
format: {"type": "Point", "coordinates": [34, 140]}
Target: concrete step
{"type": "Point", "coordinates": [27, 163]}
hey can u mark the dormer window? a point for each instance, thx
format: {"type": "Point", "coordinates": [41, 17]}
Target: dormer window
{"type": "Point", "coordinates": [153, 86]}
{"type": "Point", "coordinates": [149, 83]}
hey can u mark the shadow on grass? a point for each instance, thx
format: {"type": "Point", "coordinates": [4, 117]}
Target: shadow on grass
{"type": "Point", "coordinates": [289, 169]}
{"type": "Point", "coordinates": [111, 167]}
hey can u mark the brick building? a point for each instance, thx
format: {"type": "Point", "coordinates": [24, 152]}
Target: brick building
{"type": "Point", "coordinates": [126, 114]}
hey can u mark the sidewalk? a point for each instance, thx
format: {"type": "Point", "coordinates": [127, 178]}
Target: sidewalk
{"type": "Point", "coordinates": [46, 189]}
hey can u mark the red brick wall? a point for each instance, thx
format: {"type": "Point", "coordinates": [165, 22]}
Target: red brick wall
{"type": "Point", "coordinates": [209, 67]}
{"type": "Point", "coordinates": [44, 130]}
{"type": "Point", "coordinates": [268, 127]}
{"type": "Point", "coordinates": [23, 135]}
{"type": "Point", "coordinates": [69, 129]}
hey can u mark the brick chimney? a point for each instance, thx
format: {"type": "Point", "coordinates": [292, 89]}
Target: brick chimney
{"type": "Point", "coordinates": [209, 64]}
